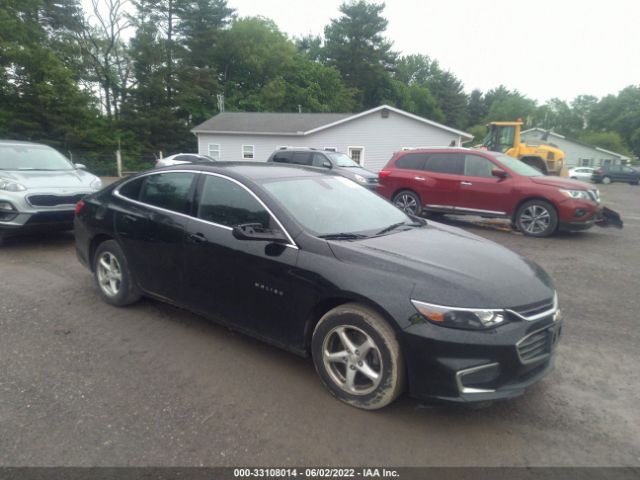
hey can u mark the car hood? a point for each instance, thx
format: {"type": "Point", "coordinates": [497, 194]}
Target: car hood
{"type": "Point", "coordinates": [451, 267]}
{"type": "Point", "coordinates": [560, 182]}
{"type": "Point", "coordinates": [65, 179]}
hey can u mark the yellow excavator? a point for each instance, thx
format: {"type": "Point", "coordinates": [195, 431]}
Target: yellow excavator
{"type": "Point", "coordinates": [505, 137]}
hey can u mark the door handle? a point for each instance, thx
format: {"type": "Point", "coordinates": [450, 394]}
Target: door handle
{"type": "Point", "coordinates": [466, 183]}
{"type": "Point", "coordinates": [419, 178]}
{"type": "Point", "coordinates": [197, 238]}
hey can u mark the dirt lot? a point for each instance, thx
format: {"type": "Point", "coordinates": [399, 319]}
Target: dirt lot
{"type": "Point", "coordinates": [83, 383]}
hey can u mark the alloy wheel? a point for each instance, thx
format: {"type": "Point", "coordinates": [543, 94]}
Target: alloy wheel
{"type": "Point", "coordinates": [352, 359]}
{"type": "Point", "coordinates": [535, 219]}
{"type": "Point", "coordinates": [407, 203]}
{"type": "Point", "coordinates": [109, 274]}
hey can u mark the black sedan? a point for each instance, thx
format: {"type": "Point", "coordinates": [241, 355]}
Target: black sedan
{"type": "Point", "coordinates": [321, 266]}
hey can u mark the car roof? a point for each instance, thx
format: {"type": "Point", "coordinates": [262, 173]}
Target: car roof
{"type": "Point", "coordinates": [22, 143]}
{"type": "Point", "coordinates": [255, 171]}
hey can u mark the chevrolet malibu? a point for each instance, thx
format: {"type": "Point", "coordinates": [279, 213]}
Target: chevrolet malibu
{"type": "Point", "coordinates": [39, 188]}
{"type": "Point", "coordinates": [321, 266]}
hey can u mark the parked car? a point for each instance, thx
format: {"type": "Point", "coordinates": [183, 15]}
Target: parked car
{"type": "Point", "coordinates": [39, 188]}
{"type": "Point", "coordinates": [183, 158]}
{"type": "Point", "coordinates": [316, 264]}
{"type": "Point", "coordinates": [478, 182]}
{"type": "Point", "coordinates": [616, 173]}
{"type": "Point", "coordinates": [337, 162]}
{"type": "Point", "coordinates": [581, 173]}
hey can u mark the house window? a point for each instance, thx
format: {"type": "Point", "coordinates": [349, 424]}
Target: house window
{"type": "Point", "coordinates": [248, 152]}
{"type": "Point", "coordinates": [357, 154]}
{"type": "Point", "coordinates": [585, 162]}
{"type": "Point", "coordinates": [214, 151]}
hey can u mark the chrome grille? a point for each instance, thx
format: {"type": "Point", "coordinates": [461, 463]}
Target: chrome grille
{"type": "Point", "coordinates": [54, 200]}
{"type": "Point", "coordinates": [595, 195]}
{"type": "Point", "coordinates": [533, 309]}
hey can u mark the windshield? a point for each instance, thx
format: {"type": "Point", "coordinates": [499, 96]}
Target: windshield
{"type": "Point", "coordinates": [328, 205]}
{"type": "Point", "coordinates": [32, 157]}
{"type": "Point", "coordinates": [518, 166]}
{"type": "Point", "coordinates": [342, 160]}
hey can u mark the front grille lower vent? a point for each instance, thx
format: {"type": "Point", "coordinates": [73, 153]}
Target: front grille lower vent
{"type": "Point", "coordinates": [54, 200]}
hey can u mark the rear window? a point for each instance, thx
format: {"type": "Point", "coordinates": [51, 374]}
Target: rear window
{"type": "Point", "coordinates": [282, 157]}
{"type": "Point", "coordinates": [452, 163]}
{"type": "Point", "coordinates": [412, 161]}
{"type": "Point", "coordinates": [167, 190]}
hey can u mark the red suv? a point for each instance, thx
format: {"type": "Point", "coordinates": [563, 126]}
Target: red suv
{"type": "Point", "coordinates": [490, 184]}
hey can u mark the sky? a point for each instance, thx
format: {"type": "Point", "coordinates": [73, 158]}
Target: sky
{"type": "Point", "coordinates": [544, 48]}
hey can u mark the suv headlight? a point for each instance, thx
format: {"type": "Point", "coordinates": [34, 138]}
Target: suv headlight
{"type": "Point", "coordinates": [11, 186]}
{"type": "Point", "coordinates": [360, 179]}
{"type": "Point", "coordinates": [96, 184]}
{"type": "Point", "coordinates": [463, 318]}
{"type": "Point", "coordinates": [582, 194]}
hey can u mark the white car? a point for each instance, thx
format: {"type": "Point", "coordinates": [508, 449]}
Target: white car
{"type": "Point", "coordinates": [581, 173]}
{"type": "Point", "coordinates": [39, 188]}
{"type": "Point", "coordinates": [182, 158]}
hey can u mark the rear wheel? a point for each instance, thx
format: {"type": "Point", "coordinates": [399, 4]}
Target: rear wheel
{"type": "Point", "coordinates": [408, 202]}
{"type": "Point", "coordinates": [606, 180]}
{"type": "Point", "coordinates": [537, 218]}
{"type": "Point", "coordinates": [113, 276]}
{"type": "Point", "coordinates": [357, 357]}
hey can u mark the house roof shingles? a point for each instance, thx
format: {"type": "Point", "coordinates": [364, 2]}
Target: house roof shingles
{"type": "Point", "coordinates": [267, 122]}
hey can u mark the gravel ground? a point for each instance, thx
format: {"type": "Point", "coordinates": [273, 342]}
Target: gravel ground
{"type": "Point", "coordinates": [83, 383]}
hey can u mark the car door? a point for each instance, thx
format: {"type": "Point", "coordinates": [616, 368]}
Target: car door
{"type": "Point", "coordinates": [481, 191]}
{"type": "Point", "coordinates": [150, 224]}
{"type": "Point", "coordinates": [440, 183]}
{"type": "Point", "coordinates": [247, 283]}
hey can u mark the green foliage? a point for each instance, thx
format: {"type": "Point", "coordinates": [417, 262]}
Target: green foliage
{"type": "Point", "coordinates": [608, 140]}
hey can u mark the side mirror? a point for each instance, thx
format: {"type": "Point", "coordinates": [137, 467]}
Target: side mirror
{"type": "Point", "coordinates": [255, 231]}
{"type": "Point", "coordinates": [327, 164]}
{"type": "Point", "coordinates": [497, 172]}
{"type": "Point", "coordinates": [80, 165]}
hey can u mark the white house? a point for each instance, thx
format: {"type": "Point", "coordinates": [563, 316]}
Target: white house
{"type": "Point", "coordinates": [577, 154]}
{"type": "Point", "coordinates": [369, 137]}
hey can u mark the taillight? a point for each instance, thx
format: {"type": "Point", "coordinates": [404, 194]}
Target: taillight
{"type": "Point", "coordinates": [79, 207]}
{"type": "Point", "coordinates": [383, 174]}
{"type": "Point", "coordinates": [599, 170]}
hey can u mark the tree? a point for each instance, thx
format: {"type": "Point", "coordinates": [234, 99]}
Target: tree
{"type": "Point", "coordinates": [355, 46]}
{"type": "Point", "coordinates": [607, 140]}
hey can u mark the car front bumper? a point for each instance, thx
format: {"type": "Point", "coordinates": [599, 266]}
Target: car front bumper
{"type": "Point", "coordinates": [24, 217]}
{"type": "Point", "coordinates": [470, 366]}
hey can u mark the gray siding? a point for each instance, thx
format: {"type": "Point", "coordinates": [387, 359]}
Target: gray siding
{"type": "Point", "coordinates": [379, 136]}
{"type": "Point", "coordinates": [576, 153]}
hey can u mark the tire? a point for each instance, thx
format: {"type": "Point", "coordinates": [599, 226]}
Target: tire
{"type": "Point", "coordinates": [112, 275]}
{"type": "Point", "coordinates": [537, 218]}
{"type": "Point", "coordinates": [573, 178]}
{"type": "Point", "coordinates": [606, 180]}
{"type": "Point", "coordinates": [377, 375]}
{"type": "Point", "coordinates": [408, 202]}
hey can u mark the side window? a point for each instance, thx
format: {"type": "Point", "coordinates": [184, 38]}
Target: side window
{"type": "Point", "coordinates": [167, 190]}
{"type": "Point", "coordinates": [319, 160]}
{"type": "Point", "coordinates": [477, 166]}
{"type": "Point", "coordinates": [132, 189]}
{"type": "Point", "coordinates": [412, 161]}
{"type": "Point", "coordinates": [282, 157]}
{"type": "Point", "coordinates": [227, 203]}
{"type": "Point", "coordinates": [452, 163]}
{"type": "Point", "coordinates": [302, 158]}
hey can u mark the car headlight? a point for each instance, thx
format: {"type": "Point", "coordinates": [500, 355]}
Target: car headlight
{"type": "Point", "coordinates": [360, 178]}
{"type": "Point", "coordinates": [96, 184]}
{"type": "Point", "coordinates": [11, 186]}
{"type": "Point", "coordinates": [575, 194]}
{"type": "Point", "coordinates": [464, 318]}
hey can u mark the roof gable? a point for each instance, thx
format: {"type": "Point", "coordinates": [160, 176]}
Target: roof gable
{"type": "Point", "coordinates": [577, 142]}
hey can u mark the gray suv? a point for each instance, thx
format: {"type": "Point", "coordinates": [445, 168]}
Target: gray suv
{"type": "Point", "coordinates": [335, 161]}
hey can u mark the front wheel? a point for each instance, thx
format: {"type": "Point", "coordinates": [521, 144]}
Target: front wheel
{"type": "Point", "coordinates": [113, 276]}
{"type": "Point", "coordinates": [408, 202]}
{"type": "Point", "coordinates": [537, 218]}
{"type": "Point", "coordinates": [357, 357]}
{"type": "Point", "coordinates": [606, 180]}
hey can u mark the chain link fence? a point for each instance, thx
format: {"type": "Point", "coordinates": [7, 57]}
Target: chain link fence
{"type": "Point", "coordinates": [105, 164]}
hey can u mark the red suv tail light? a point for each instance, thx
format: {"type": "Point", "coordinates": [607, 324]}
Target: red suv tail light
{"type": "Point", "coordinates": [79, 206]}
{"type": "Point", "coordinates": [599, 170]}
{"type": "Point", "coordinates": [383, 174]}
